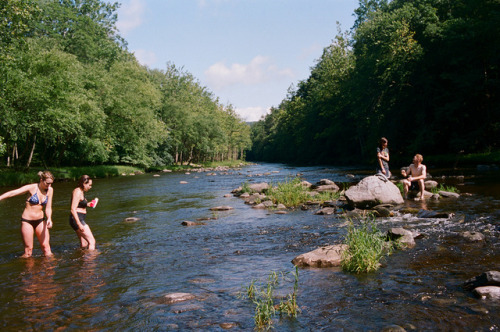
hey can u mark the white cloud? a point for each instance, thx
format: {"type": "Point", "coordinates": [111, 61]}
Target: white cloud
{"type": "Point", "coordinates": [146, 57]}
{"type": "Point", "coordinates": [130, 16]}
{"type": "Point", "coordinates": [259, 70]}
{"type": "Point", "coordinates": [252, 113]}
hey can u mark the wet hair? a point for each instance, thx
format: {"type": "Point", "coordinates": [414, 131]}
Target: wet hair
{"type": "Point", "coordinates": [419, 157]}
{"type": "Point", "coordinates": [44, 175]}
{"type": "Point", "coordinates": [382, 141]}
{"type": "Point", "coordinates": [84, 179]}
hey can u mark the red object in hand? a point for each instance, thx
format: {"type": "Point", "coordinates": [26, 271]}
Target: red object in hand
{"type": "Point", "coordinates": [94, 202]}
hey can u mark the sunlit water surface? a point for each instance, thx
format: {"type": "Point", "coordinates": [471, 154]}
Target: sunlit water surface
{"type": "Point", "coordinates": [121, 285]}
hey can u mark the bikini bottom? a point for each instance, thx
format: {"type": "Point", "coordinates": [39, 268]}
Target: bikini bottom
{"type": "Point", "coordinates": [72, 221]}
{"type": "Point", "coordinates": [33, 223]}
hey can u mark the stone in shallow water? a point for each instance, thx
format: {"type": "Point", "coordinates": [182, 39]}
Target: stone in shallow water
{"type": "Point", "coordinates": [177, 297]}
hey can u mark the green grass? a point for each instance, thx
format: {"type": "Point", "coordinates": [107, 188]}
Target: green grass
{"type": "Point", "coordinates": [263, 298]}
{"type": "Point", "coordinates": [290, 193]}
{"type": "Point", "coordinates": [367, 246]}
{"type": "Point", "coordinates": [442, 187]}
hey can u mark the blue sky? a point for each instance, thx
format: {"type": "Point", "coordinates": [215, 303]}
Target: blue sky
{"type": "Point", "coordinates": [247, 52]}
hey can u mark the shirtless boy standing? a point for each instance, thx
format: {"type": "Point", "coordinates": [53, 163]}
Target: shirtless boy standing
{"type": "Point", "coordinates": [416, 174]}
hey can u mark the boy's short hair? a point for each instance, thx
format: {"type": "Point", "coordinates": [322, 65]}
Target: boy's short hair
{"type": "Point", "coordinates": [419, 157]}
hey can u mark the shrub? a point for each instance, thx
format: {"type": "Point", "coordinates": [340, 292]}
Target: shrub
{"type": "Point", "coordinates": [367, 247]}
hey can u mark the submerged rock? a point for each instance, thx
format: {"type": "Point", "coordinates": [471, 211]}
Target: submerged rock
{"type": "Point", "coordinates": [473, 236]}
{"type": "Point", "coordinates": [432, 214]}
{"type": "Point", "coordinates": [328, 256]}
{"type": "Point", "coordinates": [177, 297]}
{"type": "Point", "coordinates": [490, 278]}
{"type": "Point", "coordinates": [401, 235]}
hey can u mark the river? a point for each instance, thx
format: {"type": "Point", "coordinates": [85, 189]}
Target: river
{"type": "Point", "coordinates": [121, 285]}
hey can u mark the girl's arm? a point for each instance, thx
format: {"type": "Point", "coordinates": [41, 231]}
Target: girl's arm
{"type": "Point", "coordinates": [48, 207]}
{"type": "Point", "coordinates": [16, 192]}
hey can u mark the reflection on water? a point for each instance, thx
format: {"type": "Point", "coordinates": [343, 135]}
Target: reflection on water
{"type": "Point", "coordinates": [120, 286]}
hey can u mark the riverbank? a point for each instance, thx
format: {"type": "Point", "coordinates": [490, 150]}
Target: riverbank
{"type": "Point", "coordinates": [9, 177]}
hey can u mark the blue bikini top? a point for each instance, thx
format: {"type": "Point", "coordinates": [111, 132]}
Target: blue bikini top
{"type": "Point", "coordinates": [34, 200]}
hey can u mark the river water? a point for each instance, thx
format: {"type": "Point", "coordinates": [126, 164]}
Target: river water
{"type": "Point", "coordinates": [121, 286]}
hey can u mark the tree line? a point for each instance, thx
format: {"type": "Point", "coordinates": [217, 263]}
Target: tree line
{"type": "Point", "coordinates": [423, 73]}
{"type": "Point", "coordinates": [72, 94]}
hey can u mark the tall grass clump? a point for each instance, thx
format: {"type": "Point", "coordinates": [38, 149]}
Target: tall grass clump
{"type": "Point", "coordinates": [263, 298]}
{"type": "Point", "coordinates": [367, 246]}
{"type": "Point", "coordinates": [290, 193]}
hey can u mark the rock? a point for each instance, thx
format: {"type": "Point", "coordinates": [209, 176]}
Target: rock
{"type": "Point", "coordinates": [167, 171]}
{"type": "Point", "coordinates": [325, 211]}
{"type": "Point", "coordinates": [401, 235]}
{"type": "Point", "coordinates": [373, 190]}
{"type": "Point", "coordinates": [382, 211]}
{"type": "Point", "coordinates": [281, 212]}
{"type": "Point", "coordinates": [228, 195]}
{"type": "Point", "coordinates": [259, 206]}
{"type": "Point", "coordinates": [490, 278]}
{"type": "Point", "coordinates": [473, 236]}
{"type": "Point", "coordinates": [327, 187]}
{"type": "Point", "coordinates": [432, 214]}
{"type": "Point", "coordinates": [177, 297]}
{"type": "Point", "coordinates": [268, 204]}
{"type": "Point", "coordinates": [306, 184]}
{"type": "Point", "coordinates": [131, 219]}
{"type": "Point", "coordinates": [245, 195]}
{"type": "Point", "coordinates": [259, 187]}
{"type": "Point", "coordinates": [430, 184]}
{"type": "Point", "coordinates": [281, 207]}
{"type": "Point", "coordinates": [448, 194]}
{"type": "Point", "coordinates": [488, 292]}
{"type": "Point", "coordinates": [156, 175]}
{"type": "Point", "coordinates": [435, 197]}
{"type": "Point", "coordinates": [393, 328]}
{"type": "Point", "coordinates": [227, 326]}
{"type": "Point", "coordinates": [191, 223]}
{"type": "Point", "coordinates": [325, 182]}
{"type": "Point", "coordinates": [221, 208]}
{"type": "Point", "coordinates": [237, 190]}
{"type": "Point", "coordinates": [328, 256]}
{"type": "Point", "coordinates": [183, 182]}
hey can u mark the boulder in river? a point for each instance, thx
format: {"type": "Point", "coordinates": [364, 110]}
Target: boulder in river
{"type": "Point", "coordinates": [259, 187]}
{"type": "Point", "coordinates": [373, 190]}
{"type": "Point", "coordinates": [328, 256]}
{"type": "Point", "coordinates": [221, 208]}
{"type": "Point", "coordinates": [177, 297]}
{"type": "Point", "coordinates": [488, 292]}
{"type": "Point", "coordinates": [473, 236]}
{"type": "Point", "coordinates": [401, 235]}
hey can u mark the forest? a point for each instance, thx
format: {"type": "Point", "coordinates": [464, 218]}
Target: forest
{"type": "Point", "coordinates": [422, 73]}
{"type": "Point", "coordinates": [71, 94]}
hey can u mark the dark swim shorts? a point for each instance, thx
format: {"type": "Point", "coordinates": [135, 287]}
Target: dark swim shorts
{"type": "Point", "coordinates": [72, 221]}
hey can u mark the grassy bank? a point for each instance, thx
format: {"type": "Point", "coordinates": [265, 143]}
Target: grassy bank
{"type": "Point", "coordinates": [9, 177]}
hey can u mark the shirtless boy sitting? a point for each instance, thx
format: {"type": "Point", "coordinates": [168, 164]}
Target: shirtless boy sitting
{"type": "Point", "coordinates": [416, 175]}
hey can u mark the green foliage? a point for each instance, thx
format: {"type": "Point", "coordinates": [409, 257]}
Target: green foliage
{"type": "Point", "coordinates": [403, 73]}
{"type": "Point", "coordinates": [366, 247]}
{"type": "Point", "coordinates": [326, 196]}
{"type": "Point", "coordinates": [442, 187]}
{"type": "Point", "coordinates": [71, 94]}
{"type": "Point", "coordinates": [289, 192]}
{"type": "Point", "coordinates": [245, 188]}
{"type": "Point", "coordinates": [400, 187]}
{"type": "Point", "coordinates": [263, 298]}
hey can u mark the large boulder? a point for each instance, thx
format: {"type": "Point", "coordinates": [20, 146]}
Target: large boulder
{"type": "Point", "coordinates": [373, 190]}
{"type": "Point", "coordinates": [259, 187]}
{"type": "Point", "coordinates": [328, 256]}
{"type": "Point", "coordinates": [490, 278]}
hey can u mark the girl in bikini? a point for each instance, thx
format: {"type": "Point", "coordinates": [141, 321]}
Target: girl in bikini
{"type": "Point", "coordinates": [33, 220]}
{"type": "Point", "coordinates": [79, 212]}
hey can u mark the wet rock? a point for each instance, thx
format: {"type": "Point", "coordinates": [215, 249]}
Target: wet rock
{"type": "Point", "coordinates": [260, 206]}
{"type": "Point", "coordinates": [435, 197]}
{"type": "Point", "coordinates": [430, 184]}
{"type": "Point", "coordinates": [245, 195]}
{"type": "Point", "coordinates": [432, 214]}
{"type": "Point", "coordinates": [487, 292]}
{"type": "Point", "coordinates": [373, 190]}
{"type": "Point", "coordinates": [228, 195]}
{"type": "Point", "coordinates": [325, 182]}
{"type": "Point", "coordinates": [167, 171]}
{"type": "Point", "coordinates": [327, 188]}
{"type": "Point", "coordinates": [183, 182]}
{"type": "Point", "coordinates": [490, 278]}
{"type": "Point", "coordinates": [227, 326]}
{"type": "Point", "coordinates": [328, 256]}
{"type": "Point", "coordinates": [191, 223]}
{"type": "Point", "coordinates": [447, 194]}
{"type": "Point", "coordinates": [237, 190]}
{"type": "Point", "coordinates": [221, 208]}
{"type": "Point", "coordinates": [131, 219]}
{"type": "Point", "coordinates": [177, 297]}
{"type": "Point", "coordinates": [473, 236]}
{"type": "Point", "coordinates": [281, 212]}
{"type": "Point", "coordinates": [382, 211]}
{"type": "Point", "coordinates": [325, 211]}
{"type": "Point", "coordinates": [156, 175]}
{"type": "Point", "coordinates": [281, 207]}
{"type": "Point", "coordinates": [355, 214]}
{"type": "Point", "coordinates": [401, 235]}
{"type": "Point", "coordinates": [393, 328]}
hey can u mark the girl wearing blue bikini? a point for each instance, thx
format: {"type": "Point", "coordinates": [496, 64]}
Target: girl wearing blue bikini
{"type": "Point", "coordinates": [33, 220]}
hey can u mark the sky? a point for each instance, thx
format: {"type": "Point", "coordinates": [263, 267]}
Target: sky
{"type": "Point", "coordinates": [248, 53]}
